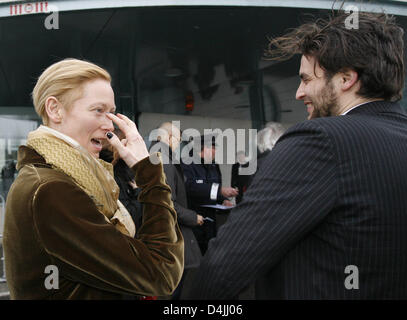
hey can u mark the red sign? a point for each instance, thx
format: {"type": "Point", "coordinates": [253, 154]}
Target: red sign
{"type": "Point", "coordinates": [189, 101]}
{"type": "Point", "coordinates": [28, 8]}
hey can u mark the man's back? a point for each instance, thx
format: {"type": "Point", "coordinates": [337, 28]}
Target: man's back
{"type": "Point", "coordinates": [359, 250]}
{"type": "Point", "coordinates": [326, 214]}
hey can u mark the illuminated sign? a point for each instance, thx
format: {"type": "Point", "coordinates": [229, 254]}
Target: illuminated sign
{"type": "Point", "coordinates": [28, 8]}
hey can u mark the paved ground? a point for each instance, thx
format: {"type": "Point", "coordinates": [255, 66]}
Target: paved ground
{"type": "Point", "coordinates": [4, 292]}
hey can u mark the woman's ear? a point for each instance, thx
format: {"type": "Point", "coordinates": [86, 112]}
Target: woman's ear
{"type": "Point", "coordinates": [53, 109]}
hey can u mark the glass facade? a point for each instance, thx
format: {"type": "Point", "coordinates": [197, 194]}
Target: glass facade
{"type": "Point", "coordinates": [13, 133]}
{"type": "Point", "coordinates": [202, 63]}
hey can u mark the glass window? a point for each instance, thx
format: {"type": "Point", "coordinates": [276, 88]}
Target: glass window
{"type": "Point", "coordinates": [13, 133]}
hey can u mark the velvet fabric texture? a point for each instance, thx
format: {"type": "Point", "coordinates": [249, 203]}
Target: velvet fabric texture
{"type": "Point", "coordinates": [52, 221]}
{"type": "Point", "coordinates": [94, 176]}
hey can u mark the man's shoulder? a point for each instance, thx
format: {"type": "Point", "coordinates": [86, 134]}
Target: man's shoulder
{"type": "Point", "coordinates": [331, 132]}
{"type": "Point", "coordinates": [345, 130]}
{"type": "Point", "coordinates": [372, 114]}
{"type": "Point", "coordinates": [336, 125]}
{"type": "Point", "coordinates": [193, 165]}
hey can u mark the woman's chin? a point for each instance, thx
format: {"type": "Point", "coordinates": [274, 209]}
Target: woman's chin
{"type": "Point", "coordinates": [94, 152]}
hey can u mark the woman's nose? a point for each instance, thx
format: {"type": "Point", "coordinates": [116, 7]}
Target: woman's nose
{"type": "Point", "coordinates": [107, 124]}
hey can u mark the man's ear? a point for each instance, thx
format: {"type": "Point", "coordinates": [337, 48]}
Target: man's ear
{"type": "Point", "coordinates": [53, 109]}
{"type": "Point", "coordinates": [349, 79]}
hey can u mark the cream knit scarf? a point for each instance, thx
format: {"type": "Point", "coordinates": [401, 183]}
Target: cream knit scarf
{"type": "Point", "coordinates": [92, 175]}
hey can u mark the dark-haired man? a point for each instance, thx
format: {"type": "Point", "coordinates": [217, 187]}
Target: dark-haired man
{"type": "Point", "coordinates": [326, 215]}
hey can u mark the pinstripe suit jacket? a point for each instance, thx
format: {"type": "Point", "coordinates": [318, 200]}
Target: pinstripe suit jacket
{"type": "Point", "coordinates": [331, 194]}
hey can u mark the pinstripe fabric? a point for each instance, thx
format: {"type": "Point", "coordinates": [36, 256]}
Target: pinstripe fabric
{"type": "Point", "coordinates": [332, 193]}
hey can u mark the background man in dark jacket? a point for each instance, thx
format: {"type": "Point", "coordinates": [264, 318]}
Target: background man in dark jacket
{"type": "Point", "coordinates": [169, 137]}
{"type": "Point", "coordinates": [203, 182]}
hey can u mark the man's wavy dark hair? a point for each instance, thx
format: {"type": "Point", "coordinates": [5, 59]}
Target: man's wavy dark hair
{"type": "Point", "coordinates": [374, 51]}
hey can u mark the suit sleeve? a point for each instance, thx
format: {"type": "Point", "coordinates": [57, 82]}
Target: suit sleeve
{"type": "Point", "coordinates": [87, 249]}
{"type": "Point", "coordinates": [185, 216]}
{"type": "Point", "coordinates": [290, 195]}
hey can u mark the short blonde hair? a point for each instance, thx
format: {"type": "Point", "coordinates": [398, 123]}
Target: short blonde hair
{"type": "Point", "coordinates": [60, 81]}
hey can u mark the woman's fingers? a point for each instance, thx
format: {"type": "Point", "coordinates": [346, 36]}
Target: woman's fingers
{"type": "Point", "coordinates": [133, 148]}
{"type": "Point", "coordinates": [127, 126]}
{"type": "Point", "coordinates": [121, 149]}
{"type": "Point", "coordinates": [114, 141]}
{"type": "Point", "coordinates": [121, 120]}
{"type": "Point", "coordinates": [122, 124]}
{"type": "Point", "coordinates": [126, 120]}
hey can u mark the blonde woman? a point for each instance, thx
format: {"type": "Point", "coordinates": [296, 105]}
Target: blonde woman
{"type": "Point", "coordinates": [66, 234]}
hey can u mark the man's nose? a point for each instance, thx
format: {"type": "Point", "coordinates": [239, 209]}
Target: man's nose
{"type": "Point", "coordinates": [299, 95]}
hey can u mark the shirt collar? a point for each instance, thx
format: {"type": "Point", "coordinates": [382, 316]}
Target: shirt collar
{"type": "Point", "coordinates": [358, 105]}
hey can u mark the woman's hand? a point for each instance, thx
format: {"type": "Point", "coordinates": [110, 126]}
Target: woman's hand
{"type": "Point", "coordinates": [132, 149]}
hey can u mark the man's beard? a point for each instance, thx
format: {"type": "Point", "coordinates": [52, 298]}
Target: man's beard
{"type": "Point", "coordinates": [329, 103]}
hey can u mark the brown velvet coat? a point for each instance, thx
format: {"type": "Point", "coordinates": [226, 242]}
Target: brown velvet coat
{"type": "Point", "coordinates": [52, 221]}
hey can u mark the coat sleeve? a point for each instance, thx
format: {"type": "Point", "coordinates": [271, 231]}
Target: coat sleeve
{"type": "Point", "coordinates": [202, 192]}
{"type": "Point", "coordinates": [291, 194]}
{"type": "Point", "coordinates": [87, 249]}
{"type": "Point", "coordinates": [185, 216]}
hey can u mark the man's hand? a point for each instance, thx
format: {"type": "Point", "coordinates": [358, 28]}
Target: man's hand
{"type": "Point", "coordinates": [229, 192]}
{"type": "Point", "coordinates": [200, 219]}
{"type": "Point", "coordinates": [132, 149]}
{"type": "Point", "coordinates": [227, 203]}
{"type": "Point", "coordinates": [133, 184]}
